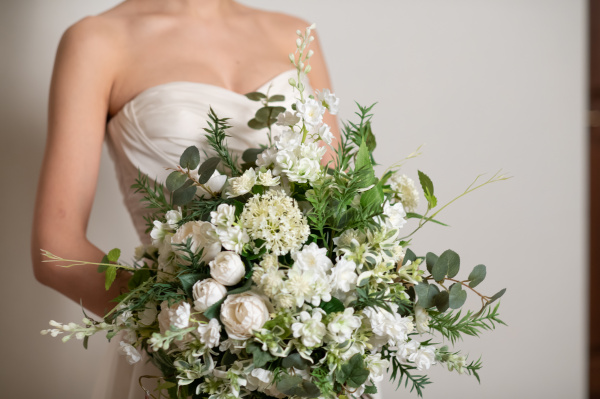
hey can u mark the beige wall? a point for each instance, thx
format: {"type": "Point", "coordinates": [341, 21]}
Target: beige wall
{"type": "Point", "coordinates": [484, 84]}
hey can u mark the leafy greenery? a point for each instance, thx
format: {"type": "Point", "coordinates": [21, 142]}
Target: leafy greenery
{"type": "Point", "coordinates": [216, 139]}
{"type": "Point", "coordinates": [453, 324]}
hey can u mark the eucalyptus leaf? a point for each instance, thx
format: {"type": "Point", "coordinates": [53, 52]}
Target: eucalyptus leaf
{"type": "Point", "coordinates": [477, 275]}
{"type": "Point", "coordinates": [296, 361]}
{"type": "Point", "coordinates": [409, 256]}
{"type": "Point", "coordinates": [256, 125]}
{"type": "Point", "coordinates": [268, 114]}
{"type": "Point", "coordinates": [457, 296]}
{"type": "Point", "coordinates": [442, 301]}
{"type": "Point", "coordinates": [354, 373]}
{"type": "Point", "coordinates": [255, 96]}
{"type": "Point", "coordinates": [207, 169]}
{"type": "Point", "coordinates": [426, 294]}
{"type": "Point", "coordinates": [183, 195]}
{"type": "Point", "coordinates": [430, 260]}
{"type": "Point", "coordinates": [276, 98]}
{"type": "Point", "coordinates": [190, 159]}
{"type": "Point", "coordinates": [297, 386]}
{"type": "Point", "coordinates": [175, 180]}
{"type": "Point", "coordinates": [251, 154]}
{"type": "Point", "coordinates": [447, 264]}
{"type": "Point", "coordinates": [259, 357]}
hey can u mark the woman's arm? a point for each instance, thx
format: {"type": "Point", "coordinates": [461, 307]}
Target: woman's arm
{"type": "Point", "coordinates": [84, 70]}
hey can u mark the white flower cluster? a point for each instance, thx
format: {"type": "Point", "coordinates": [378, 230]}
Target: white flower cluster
{"type": "Point", "coordinates": [275, 218]}
{"type": "Point", "coordinates": [405, 191]}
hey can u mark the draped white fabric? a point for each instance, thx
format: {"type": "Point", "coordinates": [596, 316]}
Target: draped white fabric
{"type": "Point", "coordinates": [150, 133]}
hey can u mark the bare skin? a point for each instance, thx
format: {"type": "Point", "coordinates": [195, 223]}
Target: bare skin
{"type": "Point", "coordinates": [102, 63]}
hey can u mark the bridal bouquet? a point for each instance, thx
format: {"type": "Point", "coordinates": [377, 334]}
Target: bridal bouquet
{"type": "Point", "coordinates": [275, 276]}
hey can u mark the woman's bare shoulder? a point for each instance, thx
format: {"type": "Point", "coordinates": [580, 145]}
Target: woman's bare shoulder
{"type": "Point", "coordinates": [281, 25]}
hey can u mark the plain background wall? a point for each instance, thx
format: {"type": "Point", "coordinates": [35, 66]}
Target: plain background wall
{"type": "Point", "coordinates": [484, 84]}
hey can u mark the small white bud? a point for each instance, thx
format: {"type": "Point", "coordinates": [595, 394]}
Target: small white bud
{"type": "Point", "coordinates": [55, 324]}
{"type": "Point", "coordinates": [66, 338]}
{"type": "Point", "coordinates": [310, 39]}
{"type": "Point", "coordinates": [310, 54]}
{"type": "Point", "coordinates": [292, 81]}
{"type": "Point", "coordinates": [298, 42]}
{"type": "Point", "coordinates": [80, 335]}
{"type": "Point", "coordinates": [313, 26]}
{"type": "Point", "coordinates": [307, 69]}
{"type": "Point", "coordinates": [301, 65]}
{"type": "Point", "coordinates": [44, 332]}
{"type": "Point", "coordinates": [298, 32]}
{"type": "Point", "coordinates": [292, 58]}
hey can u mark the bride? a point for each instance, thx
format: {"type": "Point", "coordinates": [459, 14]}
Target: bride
{"type": "Point", "coordinates": [143, 75]}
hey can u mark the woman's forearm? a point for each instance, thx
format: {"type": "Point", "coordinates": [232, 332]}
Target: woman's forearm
{"type": "Point", "coordinates": [80, 283]}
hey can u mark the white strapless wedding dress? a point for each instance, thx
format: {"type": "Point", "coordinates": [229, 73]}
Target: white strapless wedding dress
{"type": "Point", "coordinates": [150, 133]}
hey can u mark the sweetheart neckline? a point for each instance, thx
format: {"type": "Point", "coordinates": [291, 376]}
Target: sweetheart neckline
{"type": "Point", "coordinates": [199, 84]}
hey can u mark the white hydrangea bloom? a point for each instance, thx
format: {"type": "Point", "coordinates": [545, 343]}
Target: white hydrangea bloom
{"type": "Point", "coordinates": [223, 217]}
{"type": "Point", "coordinates": [288, 140]}
{"type": "Point", "coordinates": [423, 358]}
{"type": "Point", "coordinates": [275, 218]}
{"type": "Point", "coordinates": [234, 238]}
{"type": "Point", "coordinates": [405, 191]}
{"type": "Point", "coordinates": [287, 118]}
{"type": "Point", "coordinates": [173, 218]}
{"type": "Point", "coordinates": [304, 170]}
{"type": "Point", "coordinates": [406, 350]}
{"type": "Point", "coordinates": [309, 328]}
{"type": "Point", "coordinates": [241, 185]}
{"type": "Point", "coordinates": [311, 257]}
{"type": "Point", "coordinates": [395, 215]}
{"type": "Point", "coordinates": [310, 111]}
{"type": "Point", "coordinates": [343, 325]}
{"type": "Point", "coordinates": [343, 277]}
{"type": "Point", "coordinates": [377, 366]}
{"type": "Point", "coordinates": [132, 354]}
{"type": "Point", "coordinates": [324, 132]}
{"type": "Point", "coordinates": [203, 236]}
{"type": "Point", "coordinates": [329, 100]}
{"type": "Point", "coordinates": [390, 328]}
{"type": "Point", "coordinates": [266, 158]}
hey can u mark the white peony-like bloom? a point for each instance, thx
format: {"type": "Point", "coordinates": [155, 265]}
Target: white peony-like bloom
{"type": "Point", "coordinates": [159, 231]}
{"type": "Point", "coordinates": [287, 118]}
{"type": "Point", "coordinates": [210, 334]}
{"type": "Point", "coordinates": [132, 354]}
{"type": "Point", "coordinates": [304, 170]}
{"type": "Point", "coordinates": [329, 101]}
{"type": "Point", "coordinates": [310, 111]}
{"type": "Point", "coordinates": [343, 325]}
{"type": "Point", "coordinates": [234, 238]}
{"type": "Point", "coordinates": [267, 179]}
{"type": "Point", "coordinates": [405, 191]}
{"type": "Point", "coordinates": [241, 185]}
{"type": "Point", "coordinates": [343, 276]}
{"type": "Point", "coordinates": [223, 217]}
{"type": "Point", "coordinates": [266, 158]}
{"type": "Point", "coordinates": [242, 314]}
{"type": "Point", "coordinates": [377, 366]}
{"type": "Point", "coordinates": [227, 268]}
{"type": "Point", "coordinates": [276, 219]}
{"type": "Point", "coordinates": [388, 327]}
{"type": "Point", "coordinates": [324, 132]}
{"type": "Point", "coordinates": [271, 282]}
{"type": "Point", "coordinates": [206, 293]}
{"type": "Point", "coordinates": [395, 215]}
{"type": "Point", "coordinates": [288, 140]}
{"type": "Point", "coordinates": [309, 328]}
{"type": "Point", "coordinates": [423, 358]}
{"type": "Point", "coordinates": [214, 185]}
{"type": "Point", "coordinates": [421, 320]}
{"type": "Point", "coordinates": [147, 316]}
{"type": "Point", "coordinates": [311, 257]}
{"type": "Point", "coordinates": [203, 236]}
{"type": "Point", "coordinates": [308, 286]}
{"type": "Point", "coordinates": [173, 218]}
{"type": "Point", "coordinates": [177, 316]}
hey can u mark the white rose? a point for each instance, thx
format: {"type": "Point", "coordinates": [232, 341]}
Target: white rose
{"type": "Point", "coordinates": [210, 333]}
{"type": "Point", "coordinates": [177, 316]}
{"type": "Point", "coordinates": [227, 268]}
{"type": "Point", "coordinates": [206, 293]}
{"type": "Point", "coordinates": [424, 357]}
{"type": "Point", "coordinates": [203, 236]}
{"type": "Point", "coordinates": [242, 314]}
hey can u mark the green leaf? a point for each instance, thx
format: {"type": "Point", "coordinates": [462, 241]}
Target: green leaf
{"type": "Point", "coordinates": [427, 186]}
{"type": "Point", "coordinates": [430, 260]}
{"type": "Point", "coordinates": [256, 125]}
{"type": "Point", "coordinates": [85, 341]}
{"type": "Point", "coordinates": [114, 254]}
{"type": "Point", "coordinates": [175, 180]}
{"type": "Point", "coordinates": [214, 310]}
{"type": "Point", "coordinates": [442, 301]}
{"type": "Point", "coordinates": [190, 159]}
{"type": "Point", "coordinates": [276, 98]}
{"type": "Point", "coordinates": [267, 115]}
{"type": "Point", "coordinates": [333, 306]}
{"type": "Point", "coordinates": [188, 280]}
{"type": "Point", "coordinates": [246, 287]}
{"type": "Point", "coordinates": [251, 154]}
{"type": "Point", "coordinates": [477, 276]}
{"type": "Point", "coordinates": [259, 357]}
{"type": "Point", "coordinates": [457, 296]}
{"type": "Point", "coordinates": [447, 264]}
{"type": "Point", "coordinates": [138, 278]}
{"type": "Point", "coordinates": [409, 256]}
{"type": "Point", "coordinates": [370, 390]}
{"type": "Point", "coordinates": [426, 294]}
{"type": "Point", "coordinates": [371, 142]}
{"type": "Point", "coordinates": [255, 96]}
{"type": "Point", "coordinates": [184, 194]}
{"type": "Point", "coordinates": [412, 215]}
{"type": "Point", "coordinates": [497, 295]}
{"type": "Point", "coordinates": [297, 386]}
{"type": "Point", "coordinates": [109, 274]}
{"type": "Point", "coordinates": [102, 268]}
{"type": "Point", "coordinates": [296, 361]}
{"type": "Point", "coordinates": [207, 169]}
{"type": "Point", "coordinates": [354, 373]}
{"type": "Point", "coordinates": [363, 161]}
{"type": "Point", "coordinates": [373, 198]}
